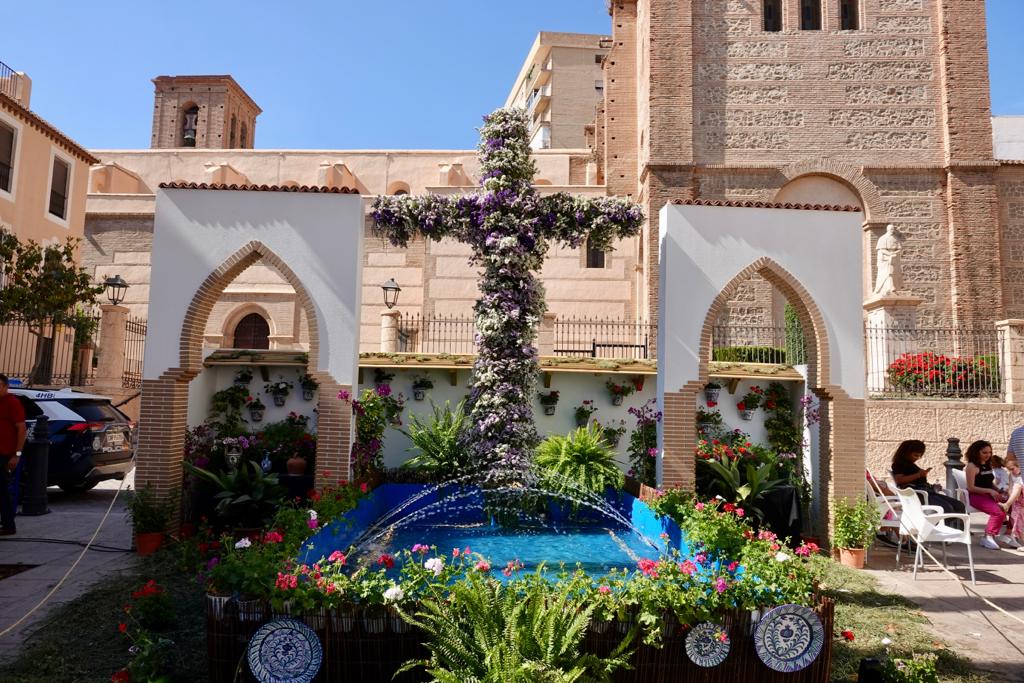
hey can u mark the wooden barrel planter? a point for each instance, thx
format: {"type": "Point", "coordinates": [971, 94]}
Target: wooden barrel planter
{"type": "Point", "coordinates": [353, 653]}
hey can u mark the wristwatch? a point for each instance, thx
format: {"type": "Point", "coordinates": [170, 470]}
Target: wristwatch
{"type": "Point", "coordinates": [17, 454]}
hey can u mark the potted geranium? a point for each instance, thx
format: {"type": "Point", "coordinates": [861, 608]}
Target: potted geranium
{"type": "Point", "coordinates": [583, 413]}
{"type": "Point", "coordinates": [420, 386]}
{"type": "Point", "coordinates": [612, 434]}
{"type": "Point", "coordinates": [243, 377]}
{"type": "Point", "coordinates": [750, 402]}
{"type": "Point", "coordinates": [309, 385]}
{"type": "Point", "coordinates": [256, 408]}
{"type": "Point", "coordinates": [619, 391]}
{"type": "Point", "coordinates": [711, 392]}
{"type": "Point", "coordinates": [708, 420]}
{"type": "Point", "coordinates": [279, 390]}
{"type": "Point", "coordinates": [548, 401]}
{"type": "Point", "coordinates": [855, 527]}
{"type": "Point", "coordinates": [149, 516]}
{"type": "Point", "coordinates": [382, 377]}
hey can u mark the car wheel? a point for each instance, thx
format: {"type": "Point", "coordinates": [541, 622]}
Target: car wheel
{"type": "Point", "coordinates": [78, 486]}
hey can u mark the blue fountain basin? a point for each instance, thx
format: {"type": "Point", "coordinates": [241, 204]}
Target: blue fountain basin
{"type": "Point", "coordinates": [596, 542]}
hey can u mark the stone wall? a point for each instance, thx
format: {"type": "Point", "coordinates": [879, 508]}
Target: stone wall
{"type": "Point", "coordinates": [890, 422]}
{"type": "Point", "coordinates": [1011, 220]}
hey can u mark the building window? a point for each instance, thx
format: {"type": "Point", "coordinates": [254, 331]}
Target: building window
{"type": "Point", "coordinates": [189, 125]}
{"type": "Point", "coordinates": [59, 181]}
{"type": "Point", "coordinates": [773, 15]}
{"type": "Point", "coordinates": [231, 132]}
{"type": "Point", "coordinates": [810, 15]}
{"type": "Point", "coordinates": [848, 15]}
{"type": "Point", "coordinates": [598, 59]}
{"type": "Point", "coordinates": [243, 139]}
{"type": "Point", "coordinates": [595, 257]}
{"type": "Point", "coordinates": [6, 157]}
{"type": "Point", "coordinates": [252, 332]}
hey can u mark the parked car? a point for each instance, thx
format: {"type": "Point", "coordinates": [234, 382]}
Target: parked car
{"type": "Point", "coordinates": [90, 440]}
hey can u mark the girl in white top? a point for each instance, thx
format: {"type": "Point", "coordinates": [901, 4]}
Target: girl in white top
{"type": "Point", "coordinates": [1001, 476]}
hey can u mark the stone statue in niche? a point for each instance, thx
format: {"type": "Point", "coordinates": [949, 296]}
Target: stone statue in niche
{"type": "Point", "coordinates": [889, 275]}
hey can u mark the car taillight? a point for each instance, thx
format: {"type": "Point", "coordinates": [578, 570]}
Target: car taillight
{"type": "Point", "coordinates": [85, 426]}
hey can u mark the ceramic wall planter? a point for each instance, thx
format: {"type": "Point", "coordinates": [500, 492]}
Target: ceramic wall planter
{"type": "Point", "coordinates": [747, 415]}
{"type": "Point", "coordinates": [549, 410]}
{"type": "Point", "coordinates": [711, 396]}
{"type": "Point", "coordinates": [279, 400]}
{"type": "Point", "coordinates": [256, 414]}
{"type": "Point", "coordinates": [617, 400]}
{"type": "Point", "coordinates": [419, 394]}
{"type": "Point", "coordinates": [307, 394]}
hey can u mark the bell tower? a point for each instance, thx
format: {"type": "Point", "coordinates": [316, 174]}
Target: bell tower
{"type": "Point", "coordinates": [207, 112]}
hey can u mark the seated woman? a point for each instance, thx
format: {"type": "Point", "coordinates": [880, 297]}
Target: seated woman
{"type": "Point", "coordinates": [983, 494]}
{"type": "Point", "coordinates": [905, 472]}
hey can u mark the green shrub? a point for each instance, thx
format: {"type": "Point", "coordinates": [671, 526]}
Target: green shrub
{"type": "Point", "coordinates": [149, 514]}
{"type": "Point", "coordinates": [855, 524]}
{"type": "Point", "coordinates": [582, 459]}
{"type": "Point", "coordinates": [439, 443]}
{"type": "Point", "coordinates": [749, 354]}
{"type": "Point", "coordinates": [919, 669]}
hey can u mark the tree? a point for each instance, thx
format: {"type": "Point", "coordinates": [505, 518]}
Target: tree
{"type": "Point", "coordinates": [509, 227]}
{"type": "Point", "coordinates": [43, 287]}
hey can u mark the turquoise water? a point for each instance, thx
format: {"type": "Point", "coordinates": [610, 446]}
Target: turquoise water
{"type": "Point", "coordinates": [596, 549]}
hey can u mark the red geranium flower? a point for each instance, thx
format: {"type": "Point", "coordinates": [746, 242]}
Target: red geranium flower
{"type": "Point", "coordinates": [848, 635]}
{"type": "Point", "coordinates": [122, 627]}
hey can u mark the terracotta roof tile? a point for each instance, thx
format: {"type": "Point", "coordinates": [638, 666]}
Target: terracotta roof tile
{"type": "Point", "coordinates": [1011, 162]}
{"type": "Point", "coordinates": [763, 205]}
{"type": "Point", "coordinates": [48, 128]}
{"type": "Point", "coordinates": [259, 188]}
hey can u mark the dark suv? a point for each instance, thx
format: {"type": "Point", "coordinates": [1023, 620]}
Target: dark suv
{"type": "Point", "coordinates": [90, 440]}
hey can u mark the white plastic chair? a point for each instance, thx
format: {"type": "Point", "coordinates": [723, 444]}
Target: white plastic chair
{"type": "Point", "coordinates": [926, 528]}
{"type": "Point", "coordinates": [884, 503]}
{"type": "Point", "coordinates": [961, 493]}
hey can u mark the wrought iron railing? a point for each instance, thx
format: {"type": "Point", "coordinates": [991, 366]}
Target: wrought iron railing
{"type": "Point", "coordinates": [933, 362]}
{"type": "Point", "coordinates": [48, 355]}
{"type": "Point", "coordinates": [602, 338]}
{"type": "Point", "coordinates": [9, 81]}
{"type": "Point", "coordinates": [440, 334]}
{"type": "Point", "coordinates": [134, 350]}
{"type": "Point", "coordinates": [758, 344]}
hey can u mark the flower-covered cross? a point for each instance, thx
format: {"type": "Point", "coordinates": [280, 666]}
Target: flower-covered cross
{"type": "Point", "coordinates": [509, 227]}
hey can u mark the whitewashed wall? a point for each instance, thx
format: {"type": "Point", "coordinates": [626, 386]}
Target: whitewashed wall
{"type": "Point", "coordinates": [212, 380]}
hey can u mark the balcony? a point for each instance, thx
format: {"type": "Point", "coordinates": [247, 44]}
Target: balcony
{"type": "Point", "coordinates": [539, 100]}
{"type": "Point", "coordinates": [14, 85]}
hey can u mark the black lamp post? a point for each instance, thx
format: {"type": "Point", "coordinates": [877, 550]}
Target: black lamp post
{"type": "Point", "coordinates": [391, 290]}
{"type": "Point", "coordinates": [115, 289]}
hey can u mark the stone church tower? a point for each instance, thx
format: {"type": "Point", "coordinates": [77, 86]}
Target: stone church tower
{"type": "Point", "coordinates": [208, 112]}
{"type": "Point", "coordinates": [883, 104]}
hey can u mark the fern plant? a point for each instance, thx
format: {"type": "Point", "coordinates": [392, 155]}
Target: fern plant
{"type": "Point", "coordinates": [439, 442]}
{"type": "Point", "coordinates": [582, 459]}
{"type": "Point", "coordinates": [521, 633]}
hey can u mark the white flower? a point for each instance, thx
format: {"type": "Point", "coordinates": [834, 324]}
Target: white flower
{"type": "Point", "coordinates": [243, 543]}
{"type": "Point", "coordinates": [312, 514]}
{"type": "Point", "coordinates": [886, 642]}
{"type": "Point", "coordinates": [781, 557]}
{"type": "Point", "coordinates": [393, 594]}
{"type": "Point", "coordinates": [434, 564]}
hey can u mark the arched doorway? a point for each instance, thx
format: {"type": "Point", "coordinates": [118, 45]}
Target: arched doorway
{"type": "Point", "coordinates": [251, 332]}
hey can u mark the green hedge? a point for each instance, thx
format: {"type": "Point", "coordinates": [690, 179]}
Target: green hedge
{"type": "Point", "coordinates": [749, 354]}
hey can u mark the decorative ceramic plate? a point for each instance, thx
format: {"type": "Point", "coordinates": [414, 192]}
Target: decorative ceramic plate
{"type": "Point", "coordinates": [707, 644]}
{"type": "Point", "coordinates": [284, 651]}
{"type": "Point", "coordinates": [788, 638]}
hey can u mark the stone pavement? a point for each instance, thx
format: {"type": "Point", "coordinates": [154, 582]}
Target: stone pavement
{"type": "Point", "coordinates": [991, 640]}
{"type": "Point", "coordinates": [72, 517]}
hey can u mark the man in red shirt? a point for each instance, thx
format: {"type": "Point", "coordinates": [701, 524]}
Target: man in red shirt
{"type": "Point", "coordinates": [12, 440]}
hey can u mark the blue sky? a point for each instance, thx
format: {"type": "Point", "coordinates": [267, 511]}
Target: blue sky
{"type": "Point", "coordinates": [394, 74]}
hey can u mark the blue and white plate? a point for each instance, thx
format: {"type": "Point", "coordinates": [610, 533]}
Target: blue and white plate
{"type": "Point", "coordinates": [705, 645]}
{"type": "Point", "coordinates": [788, 638]}
{"type": "Point", "coordinates": [285, 651]}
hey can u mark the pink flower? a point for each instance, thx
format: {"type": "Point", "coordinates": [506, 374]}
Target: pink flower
{"type": "Point", "coordinates": [652, 452]}
{"type": "Point", "coordinates": [699, 506]}
{"type": "Point", "coordinates": [733, 565]}
{"type": "Point", "coordinates": [722, 636]}
{"type": "Point", "coordinates": [648, 567]}
{"type": "Point", "coordinates": [337, 556]}
{"type": "Point", "coordinates": [700, 557]}
{"type": "Point", "coordinates": [272, 537]}
{"type": "Point", "coordinates": [740, 512]}
{"type": "Point", "coordinates": [483, 566]}
{"type": "Point", "coordinates": [311, 523]}
{"type": "Point", "coordinates": [604, 590]}
{"type": "Point", "coordinates": [362, 487]}
{"type": "Point", "coordinates": [455, 552]}
{"type": "Point", "coordinates": [419, 548]}
{"type": "Point", "coordinates": [720, 585]}
{"type": "Point", "coordinates": [687, 567]}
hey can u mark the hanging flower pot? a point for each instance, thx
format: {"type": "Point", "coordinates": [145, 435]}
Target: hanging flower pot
{"type": "Point", "coordinates": [256, 414]}
{"type": "Point", "coordinates": [747, 414]}
{"type": "Point", "coordinates": [617, 400]}
{"type": "Point", "coordinates": [307, 394]}
{"type": "Point", "coordinates": [613, 441]}
{"type": "Point", "coordinates": [711, 392]}
{"type": "Point", "coordinates": [705, 428]}
{"type": "Point", "coordinates": [419, 394]}
{"type": "Point", "coordinates": [279, 400]}
{"type": "Point", "coordinates": [549, 410]}
{"type": "Point", "coordinates": [233, 455]}
{"type": "Point", "coordinates": [582, 421]}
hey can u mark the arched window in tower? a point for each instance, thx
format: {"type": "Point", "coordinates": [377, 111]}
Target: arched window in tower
{"type": "Point", "coordinates": [252, 332]}
{"type": "Point", "coordinates": [772, 15]}
{"type": "Point", "coordinates": [810, 15]}
{"type": "Point", "coordinates": [244, 137]}
{"type": "Point", "coordinates": [189, 125]}
{"type": "Point", "coordinates": [849, 11]}
{"type": "Point", "coordinates": [231, 132]}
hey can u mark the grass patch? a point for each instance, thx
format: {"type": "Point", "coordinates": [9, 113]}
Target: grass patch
{"type": "Point", "coordinates": [80, 641]}
{"type": "Point", "coordinates": [872, 616]}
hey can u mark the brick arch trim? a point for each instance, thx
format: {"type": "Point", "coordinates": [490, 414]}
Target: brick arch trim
{"type": "Point", "coordinates": [198, 314]}
{"type": "Point", "coordinates": [807, 311]}
{"type": "Point", "coordinates": [848, 174]}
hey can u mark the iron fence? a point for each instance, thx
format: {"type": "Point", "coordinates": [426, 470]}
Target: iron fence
{"type": "Point", "coordinates": [134, 350]}
{"type": "Point", "coordinates": [420, 334]}
{"type": "Point", "coordinates": [933, 362]}
{"type": "Point", "coordinates": [778, 344]}
{"type": "Point", "coordinates": [599, 338]}
{"type": "Point", "coordinates": [9, 81]}
{"type": "Point", "coordinates": [49, 355]}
